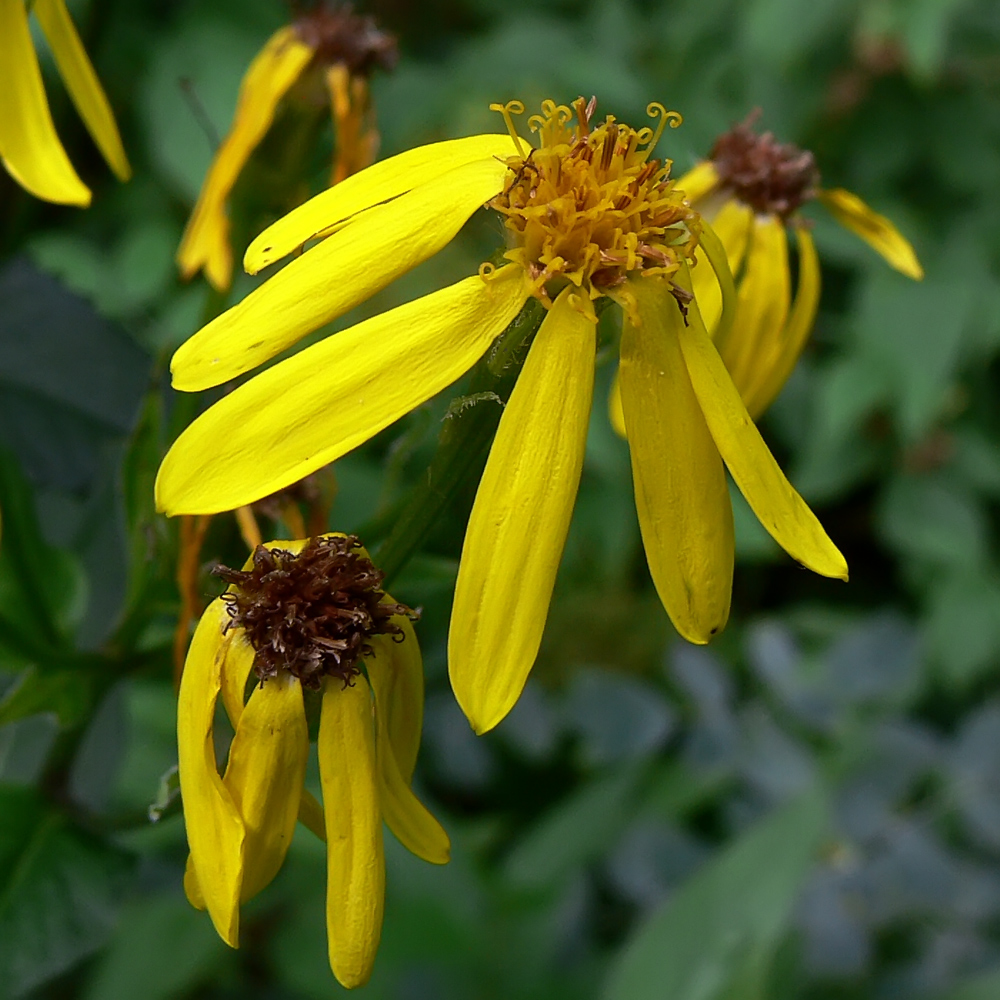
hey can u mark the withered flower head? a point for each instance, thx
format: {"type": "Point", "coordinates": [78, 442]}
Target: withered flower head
{"type": "Point", "coordinates": [769, 176]}
{"type": "Point", "coordinates": [338, 35]}
{"type": "Point", "coordinates": [311, 614]}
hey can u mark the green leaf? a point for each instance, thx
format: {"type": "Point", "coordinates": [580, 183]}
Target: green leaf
{"type": "Point", "coordinates": [576, 832]}
{"type": "Point", "coordinates": [68, 694]}
{"type": "Point", "coordinates": [59, 892]}
{"type": "Point", "coordinates": [163, 949]}
{"type": "Point", "coordinates": [985, 987]}
{"type": "Point", "coordinates": [715, 938]}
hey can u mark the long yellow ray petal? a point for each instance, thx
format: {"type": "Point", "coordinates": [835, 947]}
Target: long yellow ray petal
{"type": "Point", "coordinates": [732, 225]}
{"type": "Point", "coordinates": [772, 498]}
{"type": "Point", "coordinates": [520, 517]}
{"type": "Point", "coordinates": [699, 181]}
{"type": "Point", "coordinates": [271, 74]}
{"type": "Point", "coordinates": [29, 146]}
{"type": "Point", "coordinates": [267, 765]}
{"type": "Point", "coordinates": [82, 83]}
{"type": "Point", "coordinates": [215, 829]}
{"type": "Point", "coordinates": [334, 276]}
{"type": "Point", "coordinates": [378, 183]}
{"type": "Point", "coordinates": [408, 818]}
{"type": "Point", "coordinates": [681, 494]}
{"type": "Point", "coordinates": [355, 887]}
{"type": "Point", "coordinates": [236, 668]}
{"type": "Point", "coordinates": [717, 256]}
{"type": "Point", "coordinates": [774, 371]}
{"type": "Point", "coordinates": [764, 298]}
{"type": "Point", "coordinates": [876, 230]}
{"type": "Point", "coordinates": [397, 678]}
{"type": "Point", "coordinates": [316, 406]}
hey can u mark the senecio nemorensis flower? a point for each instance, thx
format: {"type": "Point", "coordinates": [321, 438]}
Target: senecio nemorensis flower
{"type": "Point", "coordinates": [29, 145]}
{"type": "Point", "coordinates": [328, 51]}
{"type": "Point", "coordinates": [752, 188]}
{"type": "Point", "coordinates": [589, 213]}
{"type": "Point", "coordinates": [304, 618]}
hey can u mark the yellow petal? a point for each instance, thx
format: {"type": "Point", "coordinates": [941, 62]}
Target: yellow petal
{"type": "Point", "coordinates": [699, 181]}
{"type": "Point", "coordinates": [764, 296]}
{"type": "Point", "coordinates": [776, 368]}
{"type": "Point", "coordinates": [355, 887]}
{"type": "Point", "coordinates": [615, 413]}
{"type": "Point", "coordinates": [206, 239]}
{"type": "Point", "coordinates": [397, 678]}
{"type": "Point", "coordinates": [711, 246]}
{"type": "Point", "coordinates": [267, 765]}
{"type": "Point", "coordinates": [876, 230]}
{"type": "Point", "coordinates": [29, 147]}
{"type": "Point", "coordinates": [521, 514]}
{"type": "Point", "coordinates": [235, 670]}
{"type": "Point", "coordinates": [82, 83]}
{"type": "Point", "coordinates": [215, 829]}
{"type": "Point", "coordinates": [680, 485]}
{"type": "Point", "coordinates": [408, 818]}
{"type": "Point", "coordinates": [378, 183]}
{"type": "Point", "coordinates": [732, 225]}
{"type": "Point", "coordinates": [316, 406]}
{"type": "Point", "coordinates": [771, 497]}
{"type": "Point", "coordinates": [335, 275]}
{"type": "Point", "coordinates": [191, 888]}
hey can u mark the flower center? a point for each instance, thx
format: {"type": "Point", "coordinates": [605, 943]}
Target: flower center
{"type": "Point", "coordinates": [588, 205]}
{"type": "Point", "coordinates": [338, 35]}
{"type": "Point", "coordinates": [310, 614]}
{"type": "Point", "coordinates": [773, 178]}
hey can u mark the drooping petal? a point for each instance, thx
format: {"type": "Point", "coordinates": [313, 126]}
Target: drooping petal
{"type": "Point", "coordinates": [378, 183]}
{"type": "Point", "coordinates": [777, 367]}
{"type": "Point", "coordinates": [699, 181]}
{"type": "Point", "coordinates": [732, 225]}
{"type": "Point", "coordinates": [273, 71]}
{"type": "Point", "coordinates": [772, 498]}
{"type": "Point", "coordinates": [764, 297]}
{"type": "Point", "coordinates": [521, 514]}
{"type": "Point", "coordinates": [397, 678]}
{"type": "Point", "coordinates": [82, 83]}
{"type": "Point", "coordinates": [355, 887]}
{"type": "Point", "coordinates": [717, 256]}
{"type": "Point", "coordinates": [335, 275]}
{"type": "Point", "coordinates": [681, 495]}
{"type": "Point", "coordinates": [267, 765]}
{"type": "Point", "coordinates": [316, 406]}
{"type": "Point", "coordinates": [408, 818]}
{"type": "Point", "coordinates": [876, 230]}
{"type": "Point", "coordinates": [236, 667]}
{"type": "Point", "coordinates": [29, 146]}
{"type": "Point", "coordinates": [214, 826]}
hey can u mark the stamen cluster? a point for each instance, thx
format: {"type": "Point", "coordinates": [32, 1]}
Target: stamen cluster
{"type": "Point", "coordinates": [340, 36]}
{"type": "Point", "coordinates": [771, 177]}
{"type": "Point", "coordinates": [311, 614]}
{"type": "Point", "coordinates": [589, 206]}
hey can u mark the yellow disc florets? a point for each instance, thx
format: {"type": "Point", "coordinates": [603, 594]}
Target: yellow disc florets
{"type": "Point", "coordinates": [589, 206]}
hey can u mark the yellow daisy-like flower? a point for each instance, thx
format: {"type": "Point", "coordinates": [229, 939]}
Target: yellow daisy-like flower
{"type": "Point", "coordinates": [310, 619]}
{"type": "Point", "coordinates": [589, 213]}
{"type": "Point", "coordinates": [340, 46]}
{"type": "Point", "coordinates": [29, 146]}
{"type": "Point", "coordinates": [752, 187]}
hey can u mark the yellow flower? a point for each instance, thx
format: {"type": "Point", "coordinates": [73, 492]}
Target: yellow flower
{"type": "Point", "coordinates": [310, 618]}
{"type": "Point", "coordinates": [345, 47]}
{"type": "Point", "coordinates": [29, 146]}
{"type": "Point", "coordinates": [752, 188]}
{"type": "Point", "coordinates": [589, 214]}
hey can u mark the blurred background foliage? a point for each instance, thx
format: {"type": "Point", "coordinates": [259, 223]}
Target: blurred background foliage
{"type": "Point", "coordinates": [809, 808]}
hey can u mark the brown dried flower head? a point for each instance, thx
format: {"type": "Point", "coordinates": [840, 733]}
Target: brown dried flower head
{"type": "Point", "coordinates": [311, 614]}
{"type": "Point", "coordinates": [340, 36]}
{"type": "Point", "coordinates": [769, 176]}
